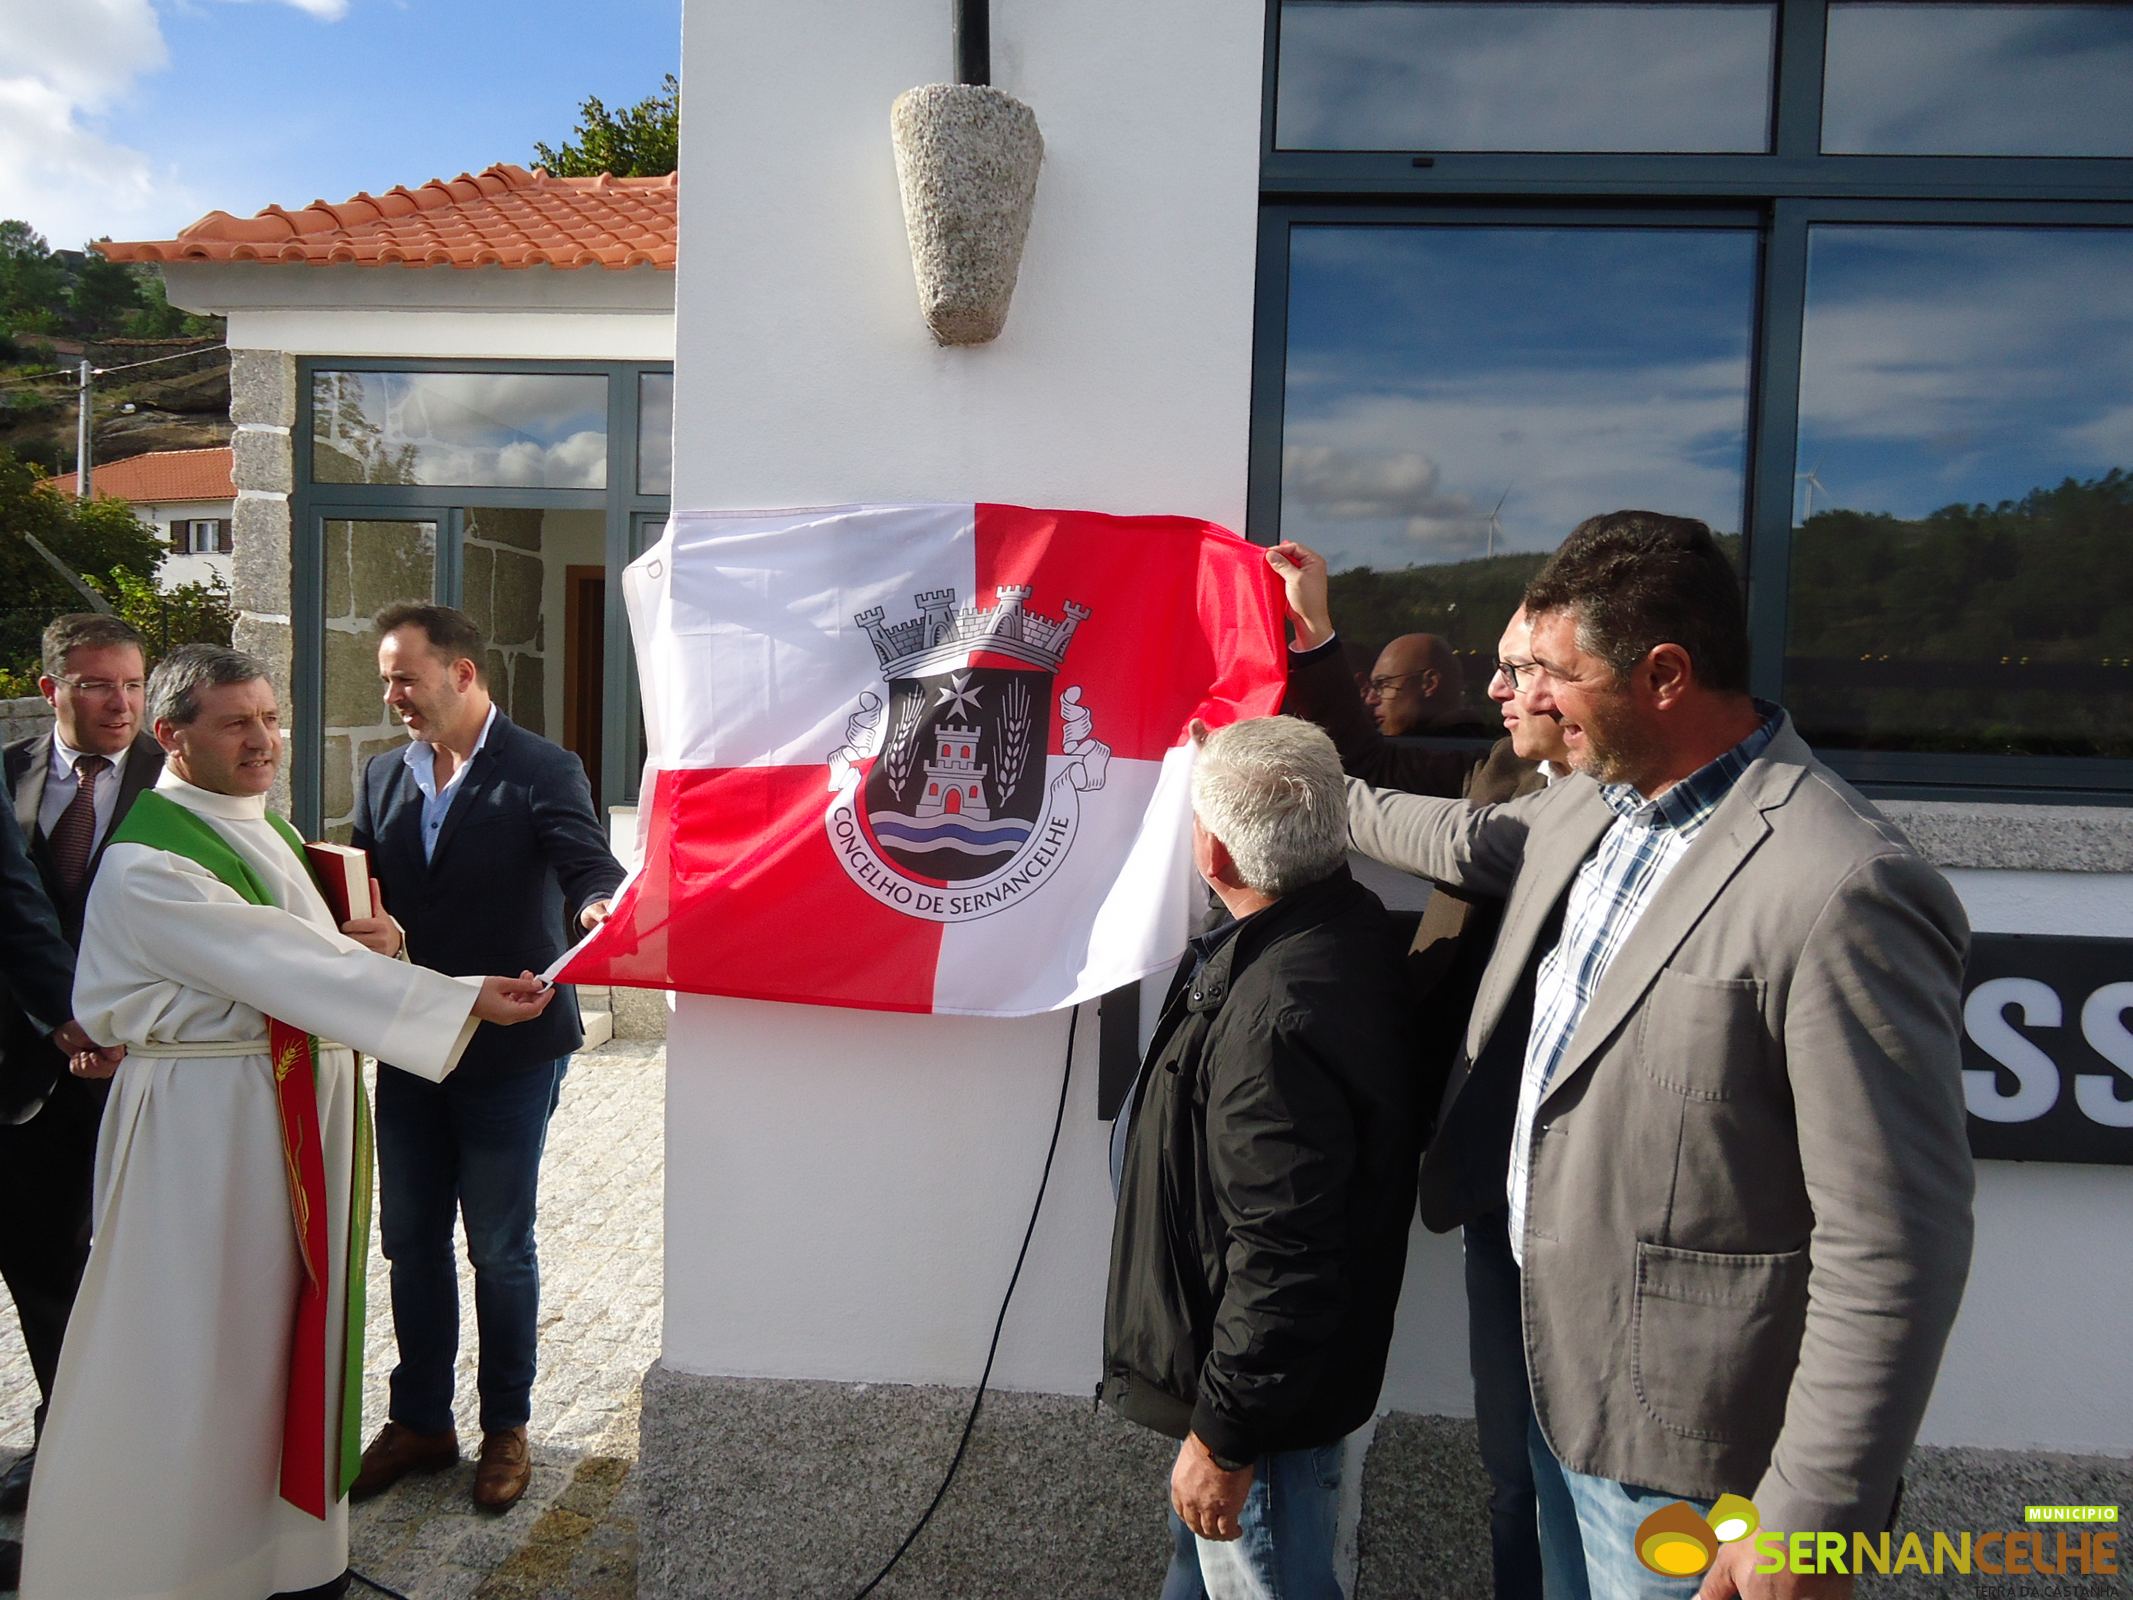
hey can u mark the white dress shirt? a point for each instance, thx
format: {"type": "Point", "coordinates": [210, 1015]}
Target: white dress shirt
{"type": "Point", "coordinates": [421, 759]}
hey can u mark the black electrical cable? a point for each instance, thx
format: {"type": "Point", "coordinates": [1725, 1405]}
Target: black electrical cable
{"type": "Point", "coordinates": [970, 1422]}
{"type": "Point", "coordinates": [384, 1589]}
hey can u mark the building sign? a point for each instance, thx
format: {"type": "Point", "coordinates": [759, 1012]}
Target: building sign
{"type": "Point", "coordinates": [2048, 1048]}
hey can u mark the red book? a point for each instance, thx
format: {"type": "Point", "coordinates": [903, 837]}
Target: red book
{"type": "Point", "coordinates": [343, 874]}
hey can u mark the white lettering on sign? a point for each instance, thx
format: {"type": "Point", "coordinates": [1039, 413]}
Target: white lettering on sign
{"type": "Point", "coordinates": [2103, 1025]}
{"type": "Point", "coordinates": [2036, 1075]}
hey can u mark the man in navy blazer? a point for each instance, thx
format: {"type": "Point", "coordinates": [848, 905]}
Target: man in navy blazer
{"type": "Point", "coordinates": [484, 840]}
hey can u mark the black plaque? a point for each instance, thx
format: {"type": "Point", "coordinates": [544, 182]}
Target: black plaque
{"type": "Point", "coordinates": [2048, 1048]}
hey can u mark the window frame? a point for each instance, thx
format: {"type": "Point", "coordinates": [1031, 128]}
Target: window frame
{"type": "Point", "coordinates": [312, 504]}
{"type": "Point", "coordinates": [1788, 189]}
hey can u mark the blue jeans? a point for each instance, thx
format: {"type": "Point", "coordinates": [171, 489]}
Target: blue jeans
{"type": "Point", "coordinates": [1286, 1551]}
{"type": "Point", "coordinates": [1608, 1515]}
{"type": "Point", "coordinates": [467, 1147]}
{"type": "Point", "coordinates": [1522, 1472]}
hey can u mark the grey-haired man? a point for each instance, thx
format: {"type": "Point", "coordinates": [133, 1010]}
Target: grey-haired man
{"type": "Point", "coordinates": [1267, 1177]}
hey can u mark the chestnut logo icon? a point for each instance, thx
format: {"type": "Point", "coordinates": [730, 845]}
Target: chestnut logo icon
{"type": "Point", "coordinates": [1677, 1541]}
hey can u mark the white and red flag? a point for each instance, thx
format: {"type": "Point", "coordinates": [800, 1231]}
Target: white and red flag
{"type": "Point", "coordinates": [927, 758]}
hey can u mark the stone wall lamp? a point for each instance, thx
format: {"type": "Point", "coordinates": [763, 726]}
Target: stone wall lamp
{"type": "Point", "coordinates": [966, 160]}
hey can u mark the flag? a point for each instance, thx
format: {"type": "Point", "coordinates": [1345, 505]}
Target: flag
{"type": "Point", "coordinates": [927, 758]}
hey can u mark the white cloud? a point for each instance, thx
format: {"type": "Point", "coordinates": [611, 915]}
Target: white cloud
{"type": "Point", "coordinates": [60, 170]}
{"type": "Point", "coordinates": [1394, 479]}
{"type": "Point", "coordinates": [324, 10]}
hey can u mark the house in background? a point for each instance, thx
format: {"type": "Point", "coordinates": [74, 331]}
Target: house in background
{"type": "Point", "coordinates": [189, 498]}
{"type": "Point", "coordinates": [460, 391]}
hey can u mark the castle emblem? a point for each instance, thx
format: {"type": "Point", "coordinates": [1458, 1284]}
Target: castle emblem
{"type": "Point", "coordinates": [951, 799]}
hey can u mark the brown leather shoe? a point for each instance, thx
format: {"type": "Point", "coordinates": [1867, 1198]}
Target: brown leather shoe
{"type": "Point", "coordinates": [396, 1452]}
{"type": "Point", "coordinates": [506, 1468]}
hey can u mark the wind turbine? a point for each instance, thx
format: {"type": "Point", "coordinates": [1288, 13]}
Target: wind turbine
{"type": "Point", "coordinates": [1813, 483]}
{"type": "Point", "coordinates": [1495, 521]}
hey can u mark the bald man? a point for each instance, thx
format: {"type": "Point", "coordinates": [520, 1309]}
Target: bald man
{"type": "Point", "coordinates": [1415, 686]}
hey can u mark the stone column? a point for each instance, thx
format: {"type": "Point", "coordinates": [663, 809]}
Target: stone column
{"type": "Point", "coordinates": [263, 407]}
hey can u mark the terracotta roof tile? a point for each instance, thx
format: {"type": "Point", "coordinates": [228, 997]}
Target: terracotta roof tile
{"type": "Point", "coordinates": [502, 217]}
{"type": "Point", "coordinates": [161, 475]}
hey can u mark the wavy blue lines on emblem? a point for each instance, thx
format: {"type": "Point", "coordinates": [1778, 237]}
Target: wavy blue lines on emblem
{"type": "Point", "coordinates": [950, 833]}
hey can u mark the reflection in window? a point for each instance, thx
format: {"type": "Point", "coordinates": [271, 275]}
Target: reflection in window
{"type": "Point", "coordinates": [655, 433]}
{"type": "Point", "coordinates": [1979, 80]}
{"type": "Point", "coordinates": [1459, 398]}
{"type": "Point", "coordinates": [1963, 578]}
{"type": "Point", "coordinates": [1401, 75]}
{"type": "Point", "coordinates": [531, 430]}
{"type": "Point", "coordinates": [364, 564]}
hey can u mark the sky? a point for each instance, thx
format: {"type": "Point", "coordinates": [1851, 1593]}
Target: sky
{"type": "Point", "coordinates": [129, 119]}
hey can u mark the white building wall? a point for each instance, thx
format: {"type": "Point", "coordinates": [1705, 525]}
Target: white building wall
{"type": "Point", "coordinates": [846, 1191]}
{"type": "Point", "coordinates": [479, 313]}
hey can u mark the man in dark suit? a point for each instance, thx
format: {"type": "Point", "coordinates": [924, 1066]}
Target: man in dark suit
{"type": "Point", "coordinates": [70, 788]}
{"type": "Point", "coordinates": [1451, 950]}
{"type": "Point", "coordinates": [485, 842]}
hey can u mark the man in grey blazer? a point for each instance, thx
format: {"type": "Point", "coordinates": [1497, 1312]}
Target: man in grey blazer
{"type": "Point", "coordinates": [1729, 992]}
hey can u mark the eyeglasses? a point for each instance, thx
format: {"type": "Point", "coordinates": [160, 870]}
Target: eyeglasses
{"type": "Point", "coordinates": [1509, 671]}
{"type": "Point", "coordinates": [131, 688]}
{"type": "Point", "coordinates": [1382, 687]}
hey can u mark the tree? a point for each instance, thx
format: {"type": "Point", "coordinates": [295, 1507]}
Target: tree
{"type": "Point", "coordinates": [32, 281]}
{"type": "Point", "coordinates": [639, 141]}
{"type": "Point", "coordinates": [157, 318]}
{"type": "Point", "coordinates": [191, 613]}
{"type": "Point", "coordinates": [95, 541]}
{"type": "Point", "coordinates": [103, 294]}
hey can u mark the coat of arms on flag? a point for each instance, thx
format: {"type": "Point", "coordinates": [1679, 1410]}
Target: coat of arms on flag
{"type": "Point", "coordinates": [962, 812]}
{"type": "Point", "coordinates": [927, 758]}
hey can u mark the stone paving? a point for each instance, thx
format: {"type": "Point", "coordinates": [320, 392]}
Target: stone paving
{"type": "Point", "coordinates": [573, 1536]}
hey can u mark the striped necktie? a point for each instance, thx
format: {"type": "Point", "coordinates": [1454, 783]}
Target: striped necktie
{"type": "Point", "coordinates": [74, 834]}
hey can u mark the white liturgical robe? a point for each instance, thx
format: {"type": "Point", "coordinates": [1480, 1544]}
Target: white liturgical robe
{"type": "Point", "coordinates": [159, 1471]}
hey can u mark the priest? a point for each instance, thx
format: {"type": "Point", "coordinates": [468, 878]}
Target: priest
{"type": "Point", "coordinates": [203, 1422]}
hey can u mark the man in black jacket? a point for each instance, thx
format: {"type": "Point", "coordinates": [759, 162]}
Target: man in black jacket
{"type": "Point", "coordinates": [1266, 1177]}
{"type": "Point", "coordinates": [68, 787]}
{"type": "Point", "coordinates": [38, 983]}
{"type": "Point", "coordinates": [484, 839]}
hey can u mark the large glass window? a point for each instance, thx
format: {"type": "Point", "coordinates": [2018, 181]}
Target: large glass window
{"type": "Point", "coordinates": [1962, 565]}
{"type": "Point", "coordinates": [1412, 75]}
{"type": "Point", "coordinates": [1850, 280]}
{"type": "Point", "coordinates": [516, 495]}
{"type": "Point", "coordinates": [1459, 398]}
{"type": "Point", "coordinates": [460, 429]}
{"type": "Point", "coordinates": [1979, 80]}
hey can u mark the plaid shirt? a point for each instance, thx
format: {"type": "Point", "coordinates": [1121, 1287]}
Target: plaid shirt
{"type": "Point", "coordinates": [1618, 880]}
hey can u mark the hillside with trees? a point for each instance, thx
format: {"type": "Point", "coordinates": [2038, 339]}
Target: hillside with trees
{"type": "Point", "coordinates": [58, 307]}
{"type": "Point", "coordinates": [2005, 628]}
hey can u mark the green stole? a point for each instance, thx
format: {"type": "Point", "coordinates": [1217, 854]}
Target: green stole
{"type": "Point", "coordinates": [162, 824]}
